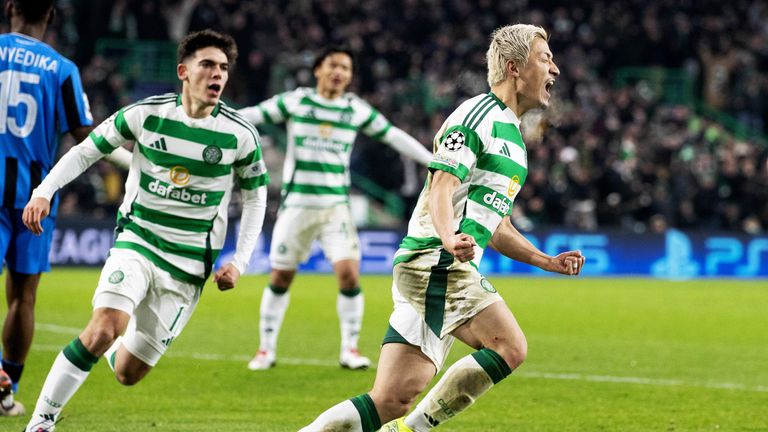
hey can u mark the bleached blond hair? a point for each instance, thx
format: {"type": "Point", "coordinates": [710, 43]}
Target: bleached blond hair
{"type": "Point", "coordinates": [512, 42]}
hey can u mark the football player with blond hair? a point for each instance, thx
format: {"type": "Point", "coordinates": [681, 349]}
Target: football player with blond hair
{"type": "Point", "coordinates": [479, 165]}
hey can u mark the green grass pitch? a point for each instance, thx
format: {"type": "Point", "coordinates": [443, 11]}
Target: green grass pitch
{"type": "Point", "coordinates": [604, 355]}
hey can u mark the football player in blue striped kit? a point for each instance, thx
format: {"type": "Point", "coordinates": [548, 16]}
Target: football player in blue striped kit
{"type": "Point", "coordinates": [41, 98]}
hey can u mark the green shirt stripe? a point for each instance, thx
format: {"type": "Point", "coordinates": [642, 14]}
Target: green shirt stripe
{"type": "Point", "coordinates": [281, 107]}
{"type": "Point", "coordinates": [313, 121]}
{"type": "Point", "coordinates": [508, 132]}
{"type": "Point", "coordinates": [195, 167]}
{"type": "Point", "coordinates": [320, 167]}
{"type": "Point", "coordinates": [266, 115]}
{"type": "Point", "coordinates": [122, 127]}
{"type": "Point", "coordinates": [479, 232]}
{"type": "Point", "coordinates": [180, 249]}
{"type": "Point", "coordinates": [306, 100]}
{"type": "Point", "coordinates": [460, 172]}
{"type": "Point", "coordinates": [249, 159]}
{"type": "Point", "coordinates": [380, 135]}
{"type": "Point", "coordinates": [501, 165]}
{"type": "Point", "coordinates": [316, 190]}
{"type": "Point", "coordinates": [177, 129]}
{"type": "Point", "coordinates": [370, 119]}
{"type": "Point", "coordinates": [420, 243]}
{"type": "Point", "coordinates": [175, 272]}
{"type": "Point", "coordinates": [482, 116]}
{"type": "Point", "coordinates": [251, 183]}
{"type": "Point", "coordinates": [498, 101]}
{"type": "Point", "coordinates": [472, 115]}
{"type": "Point", "coordinates": [170, 220]}
{"type": "Point", "coordinates": [166, 190]}
{"type": "Point", "coordinates": [101, 143]}
{"type": "Point", "coordinates": [482, 195]}
{"type": "Point", "coordinates": [477, 106]}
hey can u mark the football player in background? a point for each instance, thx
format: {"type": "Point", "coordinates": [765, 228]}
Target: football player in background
{"type": "Point", "coordinates": [322, 124]}
{"type": "Point", "coordinates": [41, 98]}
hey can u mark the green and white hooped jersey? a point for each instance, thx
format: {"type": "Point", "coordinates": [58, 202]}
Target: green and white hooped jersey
{"type": "Point", "coordinates": [180, 183]}
{"type": "Point", "coordinates": [321, 133]}
{"type": "Point", "coordinates": [480, 143]}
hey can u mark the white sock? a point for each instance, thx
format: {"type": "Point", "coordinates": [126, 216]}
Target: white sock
{"type": "Point", "coordinates": [110, 354]}
{"type": "Point", "coordinates": [272, 312]}
{"type": "Point", "coordinates": [353, 415]}
{"type": "Point", "coordinates": [466, 380]}
{"type": "Point", "coordinates": [342, 413]}
{"type": "Point", "coordinates": [62, 382]}
{"type": "Point", "coordinates": [350, 310]}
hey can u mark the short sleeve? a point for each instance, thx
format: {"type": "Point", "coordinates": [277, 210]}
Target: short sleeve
{"type": "Point", "coordinates": [249, 166]}
{"type": "Point", "coordinates": [457, 151]}
{"type": "Point", "coordinates": [72, 108]}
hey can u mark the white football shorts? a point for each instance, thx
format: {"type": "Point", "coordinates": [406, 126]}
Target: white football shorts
{"type": "Point", "coordinates": [160, 306]}
{"type": "Point", "coordinates": [297, 227]}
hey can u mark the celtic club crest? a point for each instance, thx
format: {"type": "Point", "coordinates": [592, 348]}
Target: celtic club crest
{"type": "Point", "coordinates": [212, 155]}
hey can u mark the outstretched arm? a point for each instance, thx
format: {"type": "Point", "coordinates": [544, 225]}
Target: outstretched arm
{"type": "Point", "coordinates": [272, 110]}
{"type": "Point", "coordinates": [120, 157]}
{"type": "Point", "coordinates": [69, 167]}
{"type": "Point", "coordinates": [508, 241]}
{"type": "Point", "coordinates": [407, 145]}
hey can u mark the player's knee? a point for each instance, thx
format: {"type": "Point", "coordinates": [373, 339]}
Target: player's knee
{"type": "Point", "coordinates": [281, 279]}
{"type": "Point", "coordinates": [394, 406]}
{"type": "Point", "coordinates": [98, 338]}
{"type": "Point", "coordinates": [348, 280]}
{"type": "Point", "coordinates": [514, 352]}
{"type": "Point", "coordinates": [128, 378]}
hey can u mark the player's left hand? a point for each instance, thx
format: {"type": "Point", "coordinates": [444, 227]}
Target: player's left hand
{"type": "Point", "coordinates": [226, 277]}
{"type": "Point", "coordinates": [34, 212]}
{"type": "Point", "coordinates": [567, 263]}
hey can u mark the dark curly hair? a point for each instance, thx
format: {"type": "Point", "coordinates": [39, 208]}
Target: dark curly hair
{"type": "Point", "coordinates": [204, 39]}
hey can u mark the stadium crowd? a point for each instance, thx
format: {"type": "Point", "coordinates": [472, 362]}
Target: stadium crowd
{"type": "Point", "coordinates": [603, 155]}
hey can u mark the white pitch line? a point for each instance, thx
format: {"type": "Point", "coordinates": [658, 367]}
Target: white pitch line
{"type": "Point", "coordinates": [54, 328]}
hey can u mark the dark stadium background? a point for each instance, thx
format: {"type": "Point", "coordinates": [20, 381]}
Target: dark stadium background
{"type": "Point", "coordinates": [658, 120]}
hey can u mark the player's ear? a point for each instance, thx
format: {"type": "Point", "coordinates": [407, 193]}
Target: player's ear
{"type": "Point", "coordinates": [8, 9]}
{"type": "Point", "coordinates": [182, 71]}
{"type": "Point", "coordinates": [51, 16]}
{"type": "Point", "coordinates": [512, 70]}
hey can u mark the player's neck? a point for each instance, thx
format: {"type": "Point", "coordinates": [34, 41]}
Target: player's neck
{"type": "Point", "coordinates": [328, 93]}
{"type": "Point", "coordinates": [34, 30]}
{"type": "Point", "coordinates": [507, 93]}
{"type": "Point", "coordinates": [194, 108]}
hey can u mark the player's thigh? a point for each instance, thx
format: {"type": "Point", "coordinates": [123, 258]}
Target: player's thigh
{"type": "Point", "coordinates": [402, 373]}
{"type": "Point", "coordinates": [407, 326]}
{"type": "Point", "coordinates": [160, 318]}
{"type": "Point", "coordinates": [338, 236]}
{"type": "Point", "coordinates": [292, 236]}
{"type": "Point", "coordinates": [24, 251]}
{"type": "Point", "coordinates": [124, 281]}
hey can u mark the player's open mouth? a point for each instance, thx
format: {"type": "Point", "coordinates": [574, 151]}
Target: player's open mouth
{"type": "Point", "coordinates": [215, 88]}
{"type": "Point", "coordinates": [548, 85]}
